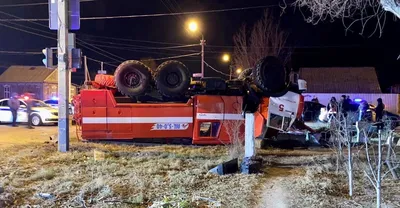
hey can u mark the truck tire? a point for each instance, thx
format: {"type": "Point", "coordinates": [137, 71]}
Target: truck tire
{"type": "Point", "coordinates": [245, 74]}
{"type": "Point", "coordinates": [132, 78]}
{"type": "Point", "coordinates": [172, 79]}
{"type": "Point", "coordinates": [270, 75]}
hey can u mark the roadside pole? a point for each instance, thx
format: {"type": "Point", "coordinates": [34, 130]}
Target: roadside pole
{"type": "Point", "coordinates": [63, 76]}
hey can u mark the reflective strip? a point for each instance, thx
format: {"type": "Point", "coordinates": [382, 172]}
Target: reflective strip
{"type": "Point", "coordinates": [128, 120]}
{"type": "Point", "coordinates": [219, 116]}
{"type": "Point", "coordinates": [94, 120]}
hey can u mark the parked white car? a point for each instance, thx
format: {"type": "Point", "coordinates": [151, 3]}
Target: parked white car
{"type": "Point", "coordinates": [54, 103]}
{"type": "Point", "coordinates": [41, 113]}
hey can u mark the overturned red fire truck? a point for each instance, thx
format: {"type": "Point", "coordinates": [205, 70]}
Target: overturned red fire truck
{"type": "Point", "coordinates": [167, 104]}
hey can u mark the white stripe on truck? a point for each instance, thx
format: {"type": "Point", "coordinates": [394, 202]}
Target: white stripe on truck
{"type": "Point", "coordinates": [219, 116]}
{"type": "Point", "coordinates": [127, 120]}
{"type": "Point", "coordinates": [136, 120]}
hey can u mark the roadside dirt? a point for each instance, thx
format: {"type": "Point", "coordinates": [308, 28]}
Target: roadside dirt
{"type": "Point", "coordinates": [14, 136]}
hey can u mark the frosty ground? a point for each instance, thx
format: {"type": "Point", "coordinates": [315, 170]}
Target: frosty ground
{"type": "Point", "coordinates": [34, 173]}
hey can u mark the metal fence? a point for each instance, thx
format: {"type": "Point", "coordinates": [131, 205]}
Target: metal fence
{"type": "Point", "coordinates": [391, 101]}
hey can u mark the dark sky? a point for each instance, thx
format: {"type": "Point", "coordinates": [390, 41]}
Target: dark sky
{"type": "Point", "coordinates": [325, 44]}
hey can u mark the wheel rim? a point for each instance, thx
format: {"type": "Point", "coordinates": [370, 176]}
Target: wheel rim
{"type": "Point", "coordinates": [173, 79]}
{"type": "Point", "coordinates": [132, 79]}
{"type": "Point", "coordinates": [35, 120]}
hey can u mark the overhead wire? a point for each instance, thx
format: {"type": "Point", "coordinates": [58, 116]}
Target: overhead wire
{"type": "Point", "coordinates": [33, 4]}
{"type": "Point", "coordinates": [91, 45]}
{"type": "Point", "coordinates": [173, 57]}
{"type": "Point", "coordinates": [80, 42]}
{"type": "Point", "coordinates": [20, 53]}
{"type": "Point", "coordinates": [33, 33]}
{"type": "Point", "coordinates": [138, 50]}
{"type": "Point", "coordinates": [140, 46]}
{"type": "Point", "coordinates": [132, 40]}
{"type": "Point", "coordinates": [146, 15]}
{"type": "Point", "coordinates": [98, 61]}
{"type": "Point", "coordinates": [220, 72]}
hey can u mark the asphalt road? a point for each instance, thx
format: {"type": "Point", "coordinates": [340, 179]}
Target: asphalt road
{"type": "Point", "coordinates": [21, 135]}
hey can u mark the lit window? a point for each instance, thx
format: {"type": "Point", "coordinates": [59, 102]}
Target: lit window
{"type": "Point", "coordinates": [7, 90]}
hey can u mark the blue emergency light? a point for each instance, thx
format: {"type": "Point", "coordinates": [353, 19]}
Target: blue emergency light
{"type": "Point", "coordinates": [358, 100]}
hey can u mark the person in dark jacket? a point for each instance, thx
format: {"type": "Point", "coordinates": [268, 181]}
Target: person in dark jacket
{"type": "Point", "coordinates": [379, 112]}
{"type": "Point", "coordinates": [29, 110]}
{"type": "Point", "coordinates": [14, 105]}
{"type": "Point", "coordinates": [344, 105]}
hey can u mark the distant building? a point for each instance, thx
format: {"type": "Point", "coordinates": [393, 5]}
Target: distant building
{"type": "Point", "coordinates": [36, 79]}
{"type": "Point", "coordinates": [341, 80]}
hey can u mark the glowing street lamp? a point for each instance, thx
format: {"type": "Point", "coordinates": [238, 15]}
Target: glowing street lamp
{"type": "Point", "coordinates": [239, 70]}
{"type": "Point", "coordinates": [226, 58]}
{"type": "Point", "coordinates": [193, 26]}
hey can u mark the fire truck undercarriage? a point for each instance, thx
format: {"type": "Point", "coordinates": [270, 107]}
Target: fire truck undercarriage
{"type": "Point", "coordinates": [169, 104]}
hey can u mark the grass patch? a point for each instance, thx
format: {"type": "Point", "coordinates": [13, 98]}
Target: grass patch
{"type": "Point", "coordinates": [126, 176]}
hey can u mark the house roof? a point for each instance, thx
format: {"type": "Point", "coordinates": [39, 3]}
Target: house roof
{"type": "Point", "coordinates": [26, 74]}
{"type": "Point", "coordinates": [341, 80]}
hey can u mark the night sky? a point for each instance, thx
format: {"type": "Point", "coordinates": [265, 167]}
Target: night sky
{"type": "Point", "coordinates": [325, 44]}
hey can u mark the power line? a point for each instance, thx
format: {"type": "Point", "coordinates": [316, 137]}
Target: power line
{"type": "Point", "coordinates": [98, 61]}
{"type": "Point", "coordinates": [173, 57]}
{"type": "Point", "coordinates": [33, 4]}
{"type": "Point", "coordinates": [82, 44]}
{"type": "Point", "coordinates": [142, 47]}
{"type": "Point", "coordinates": [139, 50]}
{"type": "Point", "coordinates": [216, 69]}
{"type": "Point", "coordinates": [208, 45]}
{"type": "Point", "coordinates": [20, 53]}
{"type": "Point", "coordinates": [147, 15]}
{"type": "Point", "coordinates": [132, 40]}
{"type": "Point", "coordinates": [88, 46]}
{"type": "Point", "coordinates": [33, 33]}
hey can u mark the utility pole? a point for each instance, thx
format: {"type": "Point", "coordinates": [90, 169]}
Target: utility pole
{"type": "Point", "coordinates": [102, 69]}
{"type": "Point", "coordinates": [230, 71]}
{"type": "Point", "coordinates": [63, 76]}
{"type": "Point", "coordinates": [202, 43]}
{"type": "Point", "coordinates": [86, 73]}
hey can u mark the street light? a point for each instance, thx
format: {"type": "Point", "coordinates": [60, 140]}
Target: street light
{"type": "Point", "coordinates": [193, 26]}
{"type": "Point", "coordinates": [226, 58]}
{"type": "Point", "coordinates": [239, 70]}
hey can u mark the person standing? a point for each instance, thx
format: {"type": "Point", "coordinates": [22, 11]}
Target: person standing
{"type": "Point", "coordinates": [332, 108]}
{"type": "Point", "coordinates": [14, 105]}
{"type": "Point", "coordinates": [29, 110]}
{"type": "Point", "coordinates": [379, 112]}
{"type": "Point", "coordinates": [343, 105]}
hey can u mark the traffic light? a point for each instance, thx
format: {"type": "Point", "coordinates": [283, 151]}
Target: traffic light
{"type": "Point", "coordinates": [75, 58]}
{"type": "Point", "coordinates": [48, 60]}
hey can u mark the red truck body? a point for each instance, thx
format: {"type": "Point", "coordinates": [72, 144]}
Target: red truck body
{"type": "Point", "coordinates": [205, 119]}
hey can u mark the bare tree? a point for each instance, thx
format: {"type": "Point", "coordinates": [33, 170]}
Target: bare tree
{"type": "Point", "coordinates": [234, 127]}
{"type": "Point", "coordinates": [342, 135]}
{"type": "Point", "coordinates": [350, 11]}
{"type": "Point", "coordinates": [265, 38]}
{"type": "Point", "coordinates": [373, 165]}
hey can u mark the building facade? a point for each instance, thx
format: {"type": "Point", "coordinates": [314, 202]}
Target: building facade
{"type": "Point", "coordinates": [41, 81]}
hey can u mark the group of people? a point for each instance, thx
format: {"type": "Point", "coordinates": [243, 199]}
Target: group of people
{"type": "Point", "coordinates": [14, 104]}
{"type": "Point", "coordinates": [344, 106]}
